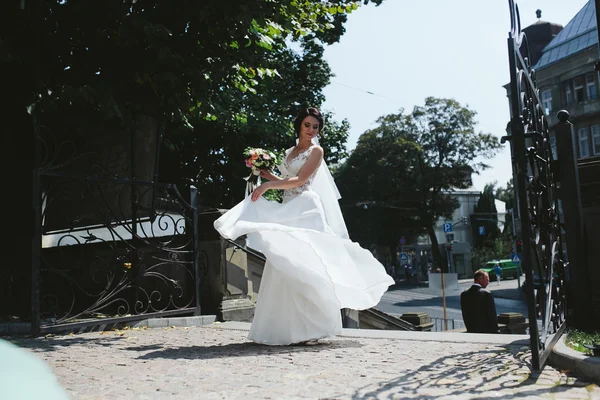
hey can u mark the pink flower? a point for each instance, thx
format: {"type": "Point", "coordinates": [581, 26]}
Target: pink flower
{"type": "Point", "coordinates": [249, 163]}
{"type": "Point", "coordinates": [266, 156]}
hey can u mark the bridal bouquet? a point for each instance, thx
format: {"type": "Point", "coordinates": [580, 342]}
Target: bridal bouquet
{"type": "Point", "coordinates": [257, 159]}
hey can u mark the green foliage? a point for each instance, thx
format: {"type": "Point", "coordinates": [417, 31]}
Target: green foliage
{"type": "Point", "coordinates": [118, 58]}
{"type": "Point", "coordinates": [493, 245]}
{"type": "Point", "coordinates": [268, 124]}
{"type": "Point", "coordinates": [507, 194]}
{"type": "Point", "coordinates": [410, 163]}
{"type": "Point", "coordinates": [485, 215]}
{"type": "Point", "coordinates": [576, 340]}
{"type": "Point", "coordinates": [216, 76]}
{"type": "Point", "coordinates": [500, 248]}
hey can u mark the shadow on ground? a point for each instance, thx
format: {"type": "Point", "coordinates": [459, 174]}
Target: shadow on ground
{"type": "Point", "coordinates": [470, 375]}
{"type": "Point", "coordinates": [53, 343]}
{"type": "Point", "coordinates": [237, 350]}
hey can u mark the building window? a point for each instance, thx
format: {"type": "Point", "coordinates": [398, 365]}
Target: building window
{"type": "Point", "coordinates": [590, 85]}
{"type": "Point", "coordinates": [569, 93]}
{"type": "Point", "coordinates": [596, 139]}
{"type": "Point", "coordinates": [547, 101]}
{"type": "Point", "coordinates": [584, 148]}
{"type": "Point", "coordinates": [578, 89]}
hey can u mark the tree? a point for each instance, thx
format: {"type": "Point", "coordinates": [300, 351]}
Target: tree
{"type": "Point", "coordinates": [507, 195]}
{"type": "Point", "coordinates": [485, 216]}
{"type": "Point", "coordinates": [493, 244]}
{"type": "Point", "coordinates": [411, 163]}
{"type": "Point", "coordinates": [211, 156]}
{"type": "Point", "coordinates": [173, 61]}
{"type": "Point", "coordinates": [216, 76]}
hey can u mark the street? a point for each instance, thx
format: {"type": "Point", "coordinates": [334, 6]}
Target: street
{"type": "Point", "coordinates": [417, 297]}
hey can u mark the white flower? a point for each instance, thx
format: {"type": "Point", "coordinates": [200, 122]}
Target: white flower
{"type": "Point", "coordinates": [255, 171]}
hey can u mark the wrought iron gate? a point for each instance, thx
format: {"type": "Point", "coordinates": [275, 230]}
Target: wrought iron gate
{"type": "Point", "coordinates": [536, 179]}
{"type": "Point", "coordinates": [109, 248]}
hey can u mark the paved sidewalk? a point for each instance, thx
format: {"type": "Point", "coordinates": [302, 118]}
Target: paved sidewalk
{"type": "Point", "coordinates": [218, 362]}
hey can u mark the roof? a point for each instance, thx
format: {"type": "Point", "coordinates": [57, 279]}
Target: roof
{"type": "Point", "coordinates": [579, 34]}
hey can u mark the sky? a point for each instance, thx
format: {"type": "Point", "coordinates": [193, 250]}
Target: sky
{"type": "Point", "coordinates": [404, 51]}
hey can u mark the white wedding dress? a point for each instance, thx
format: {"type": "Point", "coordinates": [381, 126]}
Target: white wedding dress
{"type": "Point", "coordinates": [312, 271]}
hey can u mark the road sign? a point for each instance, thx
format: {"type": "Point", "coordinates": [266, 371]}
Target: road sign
{"type": "Point", "coordinates": [516, 258]}
{"type": "Point", "coordinates": [482, 230]}
{"type": "Point", "coordinates": [402, 241]}
{"type": "Point", "coordinates": [403, 258]}
{"type": "Point", "coordinates": [448, 227]}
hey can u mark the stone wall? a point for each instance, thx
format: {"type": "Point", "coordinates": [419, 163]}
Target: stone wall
{"type": "Point", "coordinates": [589, 178]}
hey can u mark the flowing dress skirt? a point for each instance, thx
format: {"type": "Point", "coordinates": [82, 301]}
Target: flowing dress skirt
{"type": "Point", "coordinates": [310, 273]}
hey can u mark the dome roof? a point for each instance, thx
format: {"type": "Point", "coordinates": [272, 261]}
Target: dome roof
{"type": "Point", "coordinates": [539, 35]}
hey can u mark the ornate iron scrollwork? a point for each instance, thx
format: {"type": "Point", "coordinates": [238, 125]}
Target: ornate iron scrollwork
{"type": "Point", "coordinates": [539, 210]}
{"type": "Point", "coordinates": [111, 246]}
{"type": "Point", "coordinates": [107, 263]}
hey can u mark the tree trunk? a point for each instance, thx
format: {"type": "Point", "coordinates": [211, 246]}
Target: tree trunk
{"type": "Point", "coordinates": [438, 259]}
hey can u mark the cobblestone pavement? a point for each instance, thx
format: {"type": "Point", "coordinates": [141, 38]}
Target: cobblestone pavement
{"type": "Point", "coordinates": [214, 363]}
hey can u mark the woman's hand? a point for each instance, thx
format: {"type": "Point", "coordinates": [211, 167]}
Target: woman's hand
{"type": "Point", "coordinates": [259, 191]}
{"type": "Point", "coordinates": [265, 174]}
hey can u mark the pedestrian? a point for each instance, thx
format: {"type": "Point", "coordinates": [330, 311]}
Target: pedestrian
{"type": "Point", "coordinates": [478, 307]}
{"type": "Point", "coordinates": [498, 272]}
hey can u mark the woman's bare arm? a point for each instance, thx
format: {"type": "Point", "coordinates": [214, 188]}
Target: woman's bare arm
{"type": "Point", "coordinates": [310, 166]}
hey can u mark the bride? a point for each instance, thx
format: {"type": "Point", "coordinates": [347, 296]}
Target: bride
{"type": "Point", "coordinates": [313, 269]}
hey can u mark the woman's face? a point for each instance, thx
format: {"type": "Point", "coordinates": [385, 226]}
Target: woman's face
{"type": "Point", "coordinates": [309, 128]}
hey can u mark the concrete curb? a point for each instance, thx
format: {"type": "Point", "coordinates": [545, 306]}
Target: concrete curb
{"type": "Point", "coordinates": [19, 329]}
{"type": "Point", "coordinates": [175, 321]}
{"type": "Point", "coordinates": [449, 337]}
{"type": "Point", "coordinates": [14, 328]}
{"type": "Point", "coordinates": [581, 365]}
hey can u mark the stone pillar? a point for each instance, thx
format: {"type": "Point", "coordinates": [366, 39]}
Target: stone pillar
{"type": "Point", "coordinates": [577, 279]}
{"type": "Point", "coordinates": [420, 320]}
{"type": "Point", "coordinates": [512, 323]}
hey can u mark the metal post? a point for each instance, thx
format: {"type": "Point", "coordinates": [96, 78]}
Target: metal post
{"type": "Point", "coordinates": [518, 136]}
{"type": "Point", "coordinates": [570, 195]}
{"type": "Point", "coordinates": [512, 214]}
{"type": "Point", "coordinates": [444, 301]}
{"type": "Point", "coordinates": [196, 246]}
{"type": "Point", "coordinates": [36, 248]}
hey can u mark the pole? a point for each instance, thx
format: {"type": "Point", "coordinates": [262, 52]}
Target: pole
{"type": "Point", "coordinates": [512, 213]}
{"type": "Point", "coordinates": [196, 247]}
{"type": "Point", "coordinates": [444, 302]}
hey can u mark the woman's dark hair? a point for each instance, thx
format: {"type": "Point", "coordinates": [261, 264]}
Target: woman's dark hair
{"type": "Point", "coordinates": [306, 112]}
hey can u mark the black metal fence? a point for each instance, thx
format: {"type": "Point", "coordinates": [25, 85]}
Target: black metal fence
{"type": "Point", "coordinates": [110, 243]}
{"type": "Point", "coordinates": [536, 183]}
{"type": "Point", "coordinates": [112, 248]}
{"type": "Point", "coordinates": [446, 324]}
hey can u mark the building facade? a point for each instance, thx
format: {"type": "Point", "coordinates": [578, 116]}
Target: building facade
{"type": "Point", "coordinates": [567, 79]}
{"type": "Point", "coordinates": [461, 236]}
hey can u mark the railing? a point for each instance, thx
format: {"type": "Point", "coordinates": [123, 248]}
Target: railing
{"type": "Point", "coordinates": [108, 246]}
{"type": "Point", "coordinates": [446, 324]}
{"type": "Point", "coordinates": [113, 249]}
{"type": "Point", "coordinates": [536, 182]}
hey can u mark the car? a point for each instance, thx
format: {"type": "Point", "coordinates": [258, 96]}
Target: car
{"type": "Point", "coordinates": [509, 268]}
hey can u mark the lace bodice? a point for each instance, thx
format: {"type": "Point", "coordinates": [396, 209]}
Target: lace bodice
{"type": "Point", "coordinates": [291, 168]}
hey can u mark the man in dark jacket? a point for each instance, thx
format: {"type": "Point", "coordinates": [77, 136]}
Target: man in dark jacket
{"type": "Point", "coordinates": [478, 307]}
